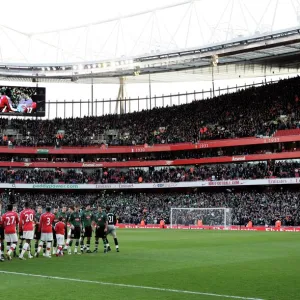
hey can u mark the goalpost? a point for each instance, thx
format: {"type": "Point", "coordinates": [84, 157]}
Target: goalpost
{"type": "Point", "coordinates": [220, 216]}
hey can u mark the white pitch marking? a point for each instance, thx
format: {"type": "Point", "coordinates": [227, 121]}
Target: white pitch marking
{"type": "Point", "coordinates": [130, 286]}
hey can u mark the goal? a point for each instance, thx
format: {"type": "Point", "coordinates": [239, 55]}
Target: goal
{"type": "Point", "coordinates": [195, 216]}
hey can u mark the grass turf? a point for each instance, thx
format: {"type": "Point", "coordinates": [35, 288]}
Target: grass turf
{"type": "Point", "coordinates": [248, 264]}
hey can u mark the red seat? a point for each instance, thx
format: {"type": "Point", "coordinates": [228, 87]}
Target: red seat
{"type": "Point", "coordinates": [295, 131]}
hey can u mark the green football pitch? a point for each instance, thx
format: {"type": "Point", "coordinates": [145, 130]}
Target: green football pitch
{"type": "Point", "coordinates": [166, 264]}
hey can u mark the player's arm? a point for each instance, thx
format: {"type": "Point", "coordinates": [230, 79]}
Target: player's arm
{"type": "Point", "coordinates": [82, 216]}
{"type": "Point", "coordinates": [33, 213]}
{"type": "Point", "coordinates": [37, 222]}
{"type": "Point", "coordinates": [10, 104]}
{"type": "Point", "coordinates": [106, 223]}
{"type": "Point", "coordinates": [40, 223]}
{"type": "Point", "coordinates": [17, 222]}
{"type": "Point", "coordinates": [53, 225]}
{"type": "Point", "coordinates": [94, 224]}
{"type": "Point", "coordinates": [93, 221]}
{"type": "Point", "coordinates": [71, 221]}
{"type": "Point", "coordinates": [67, 218]}
{"type": "Point", "coordinates": [20, 222]}
{"type": "Point", "coordinates": [3, 221]}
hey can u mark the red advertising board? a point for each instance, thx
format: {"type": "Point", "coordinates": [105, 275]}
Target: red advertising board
{"type": "Point", "coordinates": [155, 148]}
{"type": "Point", "coordinates": [177, 162]}
{"type": "Point", "coordinates": [229, 228]}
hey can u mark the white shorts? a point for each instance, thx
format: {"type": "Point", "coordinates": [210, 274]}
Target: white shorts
{"type": "Point", "coordinates": [28, 235]}
{"type": "Point", "coordinates": [47, 237]}
{"type": "Point", "coordinates": [11, 238]}
{"type": "Point", "coordinates": [60, 239]}
{"type": "Point", "coordinates": [111, 229]}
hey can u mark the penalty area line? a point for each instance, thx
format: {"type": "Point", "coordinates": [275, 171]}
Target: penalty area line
{"type": "Point", "coordinates": [129, 286]}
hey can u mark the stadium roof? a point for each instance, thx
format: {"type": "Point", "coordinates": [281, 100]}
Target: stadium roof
{"type": "Point", "coordinates": [259, 55]}
{"type": "Point", "coordinates": [247, 40]}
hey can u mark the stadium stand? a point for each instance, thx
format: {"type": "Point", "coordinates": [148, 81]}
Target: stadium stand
{"type": "Point", "coordinates": [280, 169]}
{"type": "Point", "coordinates": [285, 169]}
{"type": "Point", "coordinates": [252, 112]}
{"type": "Point", "coordinates": [271, 110]}
{"type": "Point", "coordinates": [263, 208]}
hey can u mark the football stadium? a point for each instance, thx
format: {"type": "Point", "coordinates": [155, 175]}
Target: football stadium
{"type": "Point", "coordinates": [150, 150]}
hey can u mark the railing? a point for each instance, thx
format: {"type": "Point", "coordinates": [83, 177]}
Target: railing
{"type": "Point", "coordinates": [102, 107]}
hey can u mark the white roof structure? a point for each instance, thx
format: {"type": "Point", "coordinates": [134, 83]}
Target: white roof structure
{"type": "Point", "coordinates": [105, 40]}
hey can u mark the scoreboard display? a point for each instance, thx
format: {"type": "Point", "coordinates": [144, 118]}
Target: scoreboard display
{"type": "Point", "coordinates": [22, 101]}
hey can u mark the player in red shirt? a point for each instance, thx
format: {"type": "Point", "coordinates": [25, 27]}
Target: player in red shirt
{"type": "Point", "coordinates": [10, 220]}
{"type": "Point", "coordinates": [15, 209]}
{"type": "Point", "coordinates": [26, 226]}
{"type": "Point", "coordinates": [45, 226]}
{"type": "Point", "coordinates": [60, 235]}
{"type": "Point", "coordinates": [1, 237]}
{"type": "Point", "coordinates": [5, 103]}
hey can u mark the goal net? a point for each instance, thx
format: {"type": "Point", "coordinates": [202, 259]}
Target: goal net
{"type": "Point", "coordinates": [200, 216]}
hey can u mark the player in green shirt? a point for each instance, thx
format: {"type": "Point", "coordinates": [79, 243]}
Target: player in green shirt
{"type": "Point", "coordinates": [37, 233]}
{"type": "Point", "coordinates": [86, 218]}
{"type": "Point", "coordinates": [75, 221]}
{"type": "Point", "coordinates": [56, 215]}
{"type": "Point", "coordinates": [111, 229]}
{"type": "Point", "coordinates": [63, 213]}
{"type": "Point", "coordinates": [65, 216]}
{"type": "Point", "coordinates": [100, 221]}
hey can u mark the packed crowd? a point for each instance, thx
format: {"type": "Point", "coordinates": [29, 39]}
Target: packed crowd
{"type": "Point", "coordinates": [48, 176]}
{"type": "Point", "coordinates": [204, 172]}
{"type": "Point", "coordinates": [258, 170]}
{"type": "Point", "coordinates": [251, 112]}
{"type": "Point", "coordinates": [263, 208]}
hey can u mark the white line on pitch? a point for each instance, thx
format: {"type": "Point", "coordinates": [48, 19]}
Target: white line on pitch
{"type": "Point", "coordinates": [130, 286]}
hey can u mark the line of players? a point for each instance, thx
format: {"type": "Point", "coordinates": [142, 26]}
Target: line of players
{"type": "Point", "coordinates": [60, 227]}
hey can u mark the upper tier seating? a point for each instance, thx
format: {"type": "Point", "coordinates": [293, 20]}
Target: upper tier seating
{"type": "Point", "coordinates": [247, 113]}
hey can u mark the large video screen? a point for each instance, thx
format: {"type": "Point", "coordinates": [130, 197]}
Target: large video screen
{"type": "Point", "coordinates": [22, 101]}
